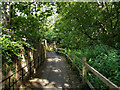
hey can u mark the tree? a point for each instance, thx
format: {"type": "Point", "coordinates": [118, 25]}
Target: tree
{"type": "Point", "coordinates": [90, 22]}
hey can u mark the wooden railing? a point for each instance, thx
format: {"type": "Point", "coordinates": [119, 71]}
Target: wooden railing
{"type": "Point", "coordinates": [84, 70]}
{"type": "Point", "coordinates": [34, 64]}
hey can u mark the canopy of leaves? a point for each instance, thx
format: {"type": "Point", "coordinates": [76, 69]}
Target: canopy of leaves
{"type": "Point", "coordinates": [89, 23]}
{"type": "Point", "coordinates": [93, 29]}
{"type": "Point", "coordinates": [23, 26]}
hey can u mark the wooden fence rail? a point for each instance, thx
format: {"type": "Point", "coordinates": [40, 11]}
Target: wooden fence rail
{"type": "Point", "coordinates": [84, 70]}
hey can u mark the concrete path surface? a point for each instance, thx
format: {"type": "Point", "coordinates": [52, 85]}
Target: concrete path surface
{"type": "Point", "coordinates": [56, 74]}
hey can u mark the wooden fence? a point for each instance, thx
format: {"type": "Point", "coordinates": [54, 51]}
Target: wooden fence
{"type": "Point", "coordinates": [34, 64]}
{"type": "Point", "coordinates": [84, 70]}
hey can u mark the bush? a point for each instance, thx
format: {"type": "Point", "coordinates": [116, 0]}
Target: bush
{"type": "Point", "coordinates": [104, 59]}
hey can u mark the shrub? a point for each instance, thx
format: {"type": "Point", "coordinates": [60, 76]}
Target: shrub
{"type": "Point", "coordinates": [104, 59]}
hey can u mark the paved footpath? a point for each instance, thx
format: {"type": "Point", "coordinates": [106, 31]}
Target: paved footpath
{"type": "Point", "coordinates": [56, 74]}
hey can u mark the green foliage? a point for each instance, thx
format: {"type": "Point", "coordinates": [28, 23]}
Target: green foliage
{"type": "Point", "coordinates": [23, 27]}
{"type": "Point", "coordinates": [51, 36]}
{"type": "Point", "coordinates": [92, 30]}
{"type": "Point", "coordinates": [89, 23]}
{"type": "Point", "coordinates": [104, 59]}
{"type": "Point", "coordinates": [27, 28]}
{"type": "Point", "coordinates": [11, 47]}
{"type": "Point", "coordinates": [107, 64]}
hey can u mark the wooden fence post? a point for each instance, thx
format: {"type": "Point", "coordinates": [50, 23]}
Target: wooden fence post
{"type": "Point", "coordinates": [38, 63]}
{"type": "Point", "coordinates": [65, 50]}
{"type": "Point", "coordinates": [22, 73]}
{"type": "Point", "coordinates": [16, 69]}
{"type": "Point", "coordinates": [73, 59]}
{"type": "Point", "coordinates": [13, 83]}
{"type": "Point", "coordinates": [42, 53]}
{"type": "Point", "coordinates": [45, 48]}
{"type": "Point", "coordinates": [55, 49]}
{"type": "Point", "coordinates": [34, 67]}
{"type": "Point", "coordinates": [30, 70]}
{"type": "Point", "coordinates": [45, 52]}
{"type": "Point", "coordinates": [84, 71]}
{"type": "Point", "coordinates": [9, 83]}
{"type": "Point", "coordinates": [31, 56]}
{"type": "Point", "coordinates": [69, 52]}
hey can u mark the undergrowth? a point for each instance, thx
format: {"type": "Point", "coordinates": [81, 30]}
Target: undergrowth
{"type": "Point", "coordinates": [104, 59]}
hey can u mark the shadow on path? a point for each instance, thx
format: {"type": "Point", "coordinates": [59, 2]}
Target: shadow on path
{"type": "Point", "coordinates": [55, 74]}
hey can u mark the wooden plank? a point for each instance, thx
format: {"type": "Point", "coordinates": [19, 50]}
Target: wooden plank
{"type": "Point", "coordinates": [99, 75]}
{"type": "Point", "coordinates": [71, 61]}
{"type": "Point", "coordinates": [84, 71]}
{"type": "Point", "coordinates": [73, 58]}
{"type": "Point", "coordinates": [103, 78]}
{"type": "Point", "coordinates": [69, 52]}
{"type": "Point", "coordinates": [80, 72]}
{"type": "Point", "coordinates": [65, 50]}
{"type": "Point", "coordinates": [90, 85]}
{"type": "Point", "coordinates": [60, 49]}
{"type": "Point", "coordinates": [79, 59]}
{"type": "Point", "coordinates": [69, 57]}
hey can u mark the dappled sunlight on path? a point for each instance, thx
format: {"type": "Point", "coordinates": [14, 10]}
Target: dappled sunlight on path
{"type": "Point", "coordinates": [55, 74]}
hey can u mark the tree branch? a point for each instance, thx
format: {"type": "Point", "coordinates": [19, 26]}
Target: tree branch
{"type": "Point", "coordinates": [86, 32]}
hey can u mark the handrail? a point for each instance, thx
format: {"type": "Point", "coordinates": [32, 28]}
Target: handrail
{"type": "Point", "coordinates": [60, 49]}
{"type": "Point", "coordinates": [16, 71]}
{"type": "Point", "coordinates": [99, 75]}
{"type": "Point", "coordinates": [23, 73]}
